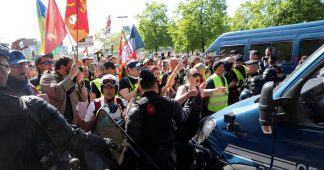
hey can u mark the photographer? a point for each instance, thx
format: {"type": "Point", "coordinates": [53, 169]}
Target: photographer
{"type": "Point", "coordinates": [65, 87]}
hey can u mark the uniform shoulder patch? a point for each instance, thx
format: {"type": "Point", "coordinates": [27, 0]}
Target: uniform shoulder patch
{"type": "Point", "coordinates": [150, 109]}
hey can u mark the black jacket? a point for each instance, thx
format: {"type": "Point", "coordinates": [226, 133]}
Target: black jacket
{"type": "Point", "coordinates": [28, 120]}
{"type": "Point", "coordinates": [151, 118]}
{"type": "Point", "coordinates": [254, 84]}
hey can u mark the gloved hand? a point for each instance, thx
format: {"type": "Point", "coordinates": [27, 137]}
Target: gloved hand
{"type": "Point", "coordinates": [111, 144]}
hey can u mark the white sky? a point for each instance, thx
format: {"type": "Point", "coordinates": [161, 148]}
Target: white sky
{"type": "Point", "coordinates": [19, 17]}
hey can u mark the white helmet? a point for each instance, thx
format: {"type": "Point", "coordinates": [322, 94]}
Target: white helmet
{"type": "Point", "coordinates": [109, 79]}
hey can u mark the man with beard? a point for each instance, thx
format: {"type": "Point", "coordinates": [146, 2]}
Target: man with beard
{"type": "Point", "coordinates": [18, 83]}
{"type": "Point", "coordinates": [28, 123]}
{"type": "Point", "coordinates": [65, 87]}
{"type": "Point", "coordinates": [42, 63]}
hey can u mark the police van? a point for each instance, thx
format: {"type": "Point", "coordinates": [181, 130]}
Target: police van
{"type": "Point", "coordinates": [282, 128]}
{"type": "Point", "coordinates": [289, 43]}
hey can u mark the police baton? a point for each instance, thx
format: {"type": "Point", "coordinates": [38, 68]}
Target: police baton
{"type": "Point", "coordinates": [138, 148]}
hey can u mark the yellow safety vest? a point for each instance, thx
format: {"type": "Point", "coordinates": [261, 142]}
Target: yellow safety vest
{"type": "Point", "coordinates": [97, 83]}
{"type": "Point", "coordinates": [217, 100]}
{"type": "Point", "coordinates": [239, 75]}
{"type": "Point", "coordinates": [133, 87]}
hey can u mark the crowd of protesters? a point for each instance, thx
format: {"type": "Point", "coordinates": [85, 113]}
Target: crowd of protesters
{"type": "Point", "coordinates": [79, 88]}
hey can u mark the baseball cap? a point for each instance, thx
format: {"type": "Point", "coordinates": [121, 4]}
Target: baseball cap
{"type": "Point", "coordinates": [16, 57]}
{"type": "Point", "coordinates": [238, 58]}
{"type": "Point", "coordinates": [217, 63]}
{"type": "Point", "coordinates": [147, 60]}
{"type": "Point", "coordinates": [48, 55]}
{"type": "Point", "coordinates": [250, 62]}
{"type": "Point", "coordinates": [4, 51]}
{"type": "Point", "coordinates": [109, 64]}
{"type": "Point", "coordinates": [234, 51]}
{"type": "Point", "coordinates": [132, 63]}
{"type": "Point", "coordinates": [138, 66]}
{"type": "Point", "coordinates": [254, 52]}
{"type": "Point", "coordinates": [200, 66]}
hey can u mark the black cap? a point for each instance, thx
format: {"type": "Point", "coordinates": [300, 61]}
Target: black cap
{"type": "Point", "coordinates": [138, 66]}
{"type": "Point", "coordinates": [254, 52]}
{"type": "Point", "coordinates": [132, 63]}
{"type": "Point", "coordinates": [238, 58]}
{"type": "Point", "coordinates": [217, 63]}
{"type": "Point", "coordinates": [233, 51]}
{"type": "Point", "coordinates": [250, 62]}
{"type": "Point", "coordinates": [49, 55]}
{"type": "Point", "coordinates": [4, 51]}
{"type": "Point", "coordinates": [38, 59]}
{"type": "Point", "coordinates": [146, 78]}
{"type": "Point", "coordinates": [109, 64]}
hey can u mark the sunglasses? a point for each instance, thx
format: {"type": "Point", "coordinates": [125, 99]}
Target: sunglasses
{"type": "Point", "coordinates": [195, 75]}
{"type": "Point", "coordinates": [47, 62]}
{"type": "Point", "coordinates": [107, 82]}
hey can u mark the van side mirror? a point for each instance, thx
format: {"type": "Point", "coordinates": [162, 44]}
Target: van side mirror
{"type": "Point", "coordinates": [266, 107]}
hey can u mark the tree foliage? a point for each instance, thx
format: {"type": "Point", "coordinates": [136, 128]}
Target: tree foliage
{"type": "Point", "coordinates": [266, 13]}
{"type": "Point", "coordinates": [106, 40]}
{"type": "Point", "coordinates": [197, 23]}
{"type": "Point", "coordinates": [153, 26]}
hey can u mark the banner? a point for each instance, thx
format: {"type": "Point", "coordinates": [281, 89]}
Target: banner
{"type": "Point", "coordinates": [76, 19]}
{"type": "Point", "coordinates": [55, 27]}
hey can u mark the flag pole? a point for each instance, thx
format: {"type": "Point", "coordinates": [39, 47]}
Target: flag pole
{"type": "Point", "coordinates": [71, 42]}
{"type": "Point", "coordinates": [77, 24]}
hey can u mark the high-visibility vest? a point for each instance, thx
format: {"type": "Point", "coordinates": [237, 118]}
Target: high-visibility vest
{"type": "Point", "coordinates": [97, 83]}
{"type": "Point", "coordinates": [218, 100]}
{"type": "Point", "coordinates": [239, 75]}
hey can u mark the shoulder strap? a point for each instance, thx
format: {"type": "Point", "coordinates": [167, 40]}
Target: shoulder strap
{"type": "Point", "coordinates": [97, 104]}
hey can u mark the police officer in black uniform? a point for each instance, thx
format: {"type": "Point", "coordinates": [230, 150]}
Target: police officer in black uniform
{"type": "Point", "coordinates": [150, 124]}
{"type": "Point", "coordinates": [33, 131]}
{"type": "Point", "coordinates": [273, 72]}
{"type": "Point", "coordinates": [253, 84]}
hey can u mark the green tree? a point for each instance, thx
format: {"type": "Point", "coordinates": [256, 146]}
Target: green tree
{"type": "Point", "coordinates": [197, 24]}
{"type": "Point", "coordinates": [153, 26]}
{"type": "Point", "coordinates": [106, 40]}
{"type": "Point", "coordinates": [266, 13]}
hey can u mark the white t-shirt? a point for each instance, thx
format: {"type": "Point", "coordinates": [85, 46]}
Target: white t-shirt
{"type": "Point", "coordinates": [91, 108]}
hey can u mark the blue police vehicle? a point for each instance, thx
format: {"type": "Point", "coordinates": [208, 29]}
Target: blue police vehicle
{"type": "Point", "coordinates": [289, 42]}
{"type": "Point", "coordinates": [282, 128]}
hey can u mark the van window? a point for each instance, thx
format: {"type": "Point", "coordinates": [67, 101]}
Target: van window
{"type": "Point", "coordinates": [282, 50]}
{"type": "Point", "coordinates": [312, 97]}
{"type": "Point", "coordinates": [228, 48]}
{"type": "Point", "coordinates": [307, 47]}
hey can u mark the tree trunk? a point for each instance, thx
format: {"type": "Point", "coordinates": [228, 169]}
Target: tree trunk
{"type": "Point", "coordinates": [203, 46]}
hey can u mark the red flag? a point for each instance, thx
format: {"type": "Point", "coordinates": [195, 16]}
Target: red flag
{"type": "Point", "coordinates": [55, 28]}
{"type": "Point", "coordinates": [120, 49]}
{"type": "Point", "coordinates": [108, 25]}
{"type": "Point", "coordinates": [76, 19]}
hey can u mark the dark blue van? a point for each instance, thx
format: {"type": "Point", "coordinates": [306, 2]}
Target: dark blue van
{"type": "Point", "coordinates": [289, 42]}
{"type": "Point", "coordinates": [282, 128]}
